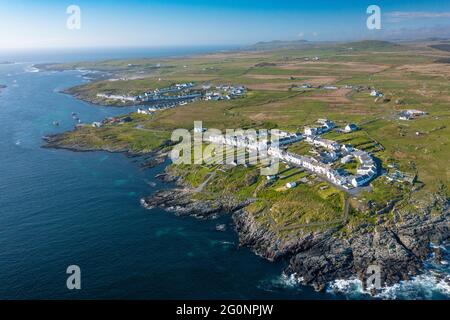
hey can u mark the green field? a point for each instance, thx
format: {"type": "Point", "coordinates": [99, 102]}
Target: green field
{"type": "Point", "coordinates": [408, 74]}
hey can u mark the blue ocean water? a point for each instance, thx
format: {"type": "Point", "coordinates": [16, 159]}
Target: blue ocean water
{"type": "Point", "coordinates": [90, 54]}
{"type": "Point", "coordinates": [59, 208]}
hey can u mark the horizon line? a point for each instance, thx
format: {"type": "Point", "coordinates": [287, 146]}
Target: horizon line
{"type": "Point", "coordinates": [218, 46]}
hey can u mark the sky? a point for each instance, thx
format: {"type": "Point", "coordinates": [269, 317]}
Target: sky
{"type": "Point", "coordinates": [162, 23]}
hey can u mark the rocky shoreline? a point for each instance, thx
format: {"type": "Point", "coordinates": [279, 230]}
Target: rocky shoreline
{"type": "Point", "coordinates": [54, 141]}
{"type": "Point", "coordinates": [100, 102]}
{"type": "Point", "coordinates": [180, 201]}
{"type": "Point", "coordinates": [148, 160]}
{"type": "Point", "coordinates": [317, 258]}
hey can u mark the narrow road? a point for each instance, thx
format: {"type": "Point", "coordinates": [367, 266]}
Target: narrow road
{"type": "Point", "coordinates": [204, 183]}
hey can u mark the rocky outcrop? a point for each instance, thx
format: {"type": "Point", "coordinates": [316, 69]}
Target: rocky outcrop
{"type": "Point", "coordinates": [146, 160]}
{"type": "Point", "coordinates": [181, 201]}
{"type": "Point", "coordinates": [398, 251]}
{"type": "Point", "coordinates": [57, 141]}
{"type": "Point", "coordinates": [397, 248]}
{"type": "Point", "coordinates": [320, 257]}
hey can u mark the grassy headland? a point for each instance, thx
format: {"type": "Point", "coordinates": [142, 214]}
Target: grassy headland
{"type": "Point", "coordinates": [409, 75]}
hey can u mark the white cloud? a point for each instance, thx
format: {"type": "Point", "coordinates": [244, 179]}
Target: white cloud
{"type": "Point", "coordinates": [417, 15]}
{"type": "Point", "coordinates": [440, 31]}
{"type": "Point", "coordinates": [301, 34]}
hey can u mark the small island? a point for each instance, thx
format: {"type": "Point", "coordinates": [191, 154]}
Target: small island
{"type": "Point", "coordinates": [364, 150]}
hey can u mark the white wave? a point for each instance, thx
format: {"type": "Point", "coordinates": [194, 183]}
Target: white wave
{"type": "Point", "coordinates": [31, 69]}
{"type": "Point", "coordinates": [227, 243]}
{"type": "Point", "coordinates": [428, 285]}
{"type": "Point", "coordinates": [352, 288]}
{"type": "Point", "coordinates": [424, 286]}
{"type": "Point", "coordinates": [284, 281]}
{"type": "Point", "coordinates": [290, 280]}
{"type": "Point", "coordinates": [287, 281]}
{"type": "Point", "coordinates": [436, 246]}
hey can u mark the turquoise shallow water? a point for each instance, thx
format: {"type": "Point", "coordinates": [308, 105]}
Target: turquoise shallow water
{"type": "Point", "coordinates": [59, 208]}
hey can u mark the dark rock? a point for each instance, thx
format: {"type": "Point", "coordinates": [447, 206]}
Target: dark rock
{"type": "Point", "coordinates": [397, 247]}
{"type": "Point", "coordinates": [181, 202]}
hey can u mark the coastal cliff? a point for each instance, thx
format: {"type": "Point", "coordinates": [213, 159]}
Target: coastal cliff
{"type": "Point", "coordinates": [318, 257]}
{"type": "Point", "coordinates": [398, 245]}
{"type": "Point", "coordinates": [325, 232]}
{"type": "Point", "coordinates": [397, 241]}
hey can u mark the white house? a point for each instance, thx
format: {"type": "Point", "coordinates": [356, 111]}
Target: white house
{"type": "Point", "coordinates": [375, 93]}
{"type": "Point", "coordinates": [325, 143]}
{"type": "Point", "coordinates": [310, 131]}
{"type": "Point", "coordinates": [358, 181]}
{"type": "Point", "coordinates": [347, 148]}
{"type": "Point", "coordinates": [351, 127]}
{"type": "Point", "coordinates": [347, 159]}
{"type": "Point", "coordinates": [142, 111]}
{"type": "Point", "coordinates": [290, 185]}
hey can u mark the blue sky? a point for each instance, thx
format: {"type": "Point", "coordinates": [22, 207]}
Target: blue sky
{"type": "Point", "coordinates": [28, 24]}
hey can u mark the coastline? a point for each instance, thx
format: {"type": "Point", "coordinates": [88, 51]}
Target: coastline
{"type": "Point", "coordinates": [317, 258]}
{"type": "Point", "coordinates": [399, 246]}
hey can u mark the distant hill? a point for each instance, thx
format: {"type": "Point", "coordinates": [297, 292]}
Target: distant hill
{"type": "Point", "coordinates": [278, 44]}
{"type": "Point", "coordinates": [365, 45]}
{"type": "Point", "coordinates": [372, 45]}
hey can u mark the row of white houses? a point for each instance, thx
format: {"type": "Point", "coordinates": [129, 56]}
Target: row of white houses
{"type": "Point", "coordinates": [118, 97]}
{"type": "Point", "coordinates": [256, 141]}
{"type": "Point", "coordinates": [366, 171]}
{"type": "Point", "coordinates": [324, 143]}
{"type": "Point", "coordinates": [338, 177]}
{"type": "Point", "coordinates": [326, 125]}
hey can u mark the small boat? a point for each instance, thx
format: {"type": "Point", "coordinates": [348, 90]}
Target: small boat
{"type": "Point", "coordinates": [55, 123]}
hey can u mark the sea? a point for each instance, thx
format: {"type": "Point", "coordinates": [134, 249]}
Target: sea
{"type": "Point", "coordinates": [60, 208]}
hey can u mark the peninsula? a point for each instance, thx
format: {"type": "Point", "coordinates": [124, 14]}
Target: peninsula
{"type": "Point", "coordinates": [363, 147]}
